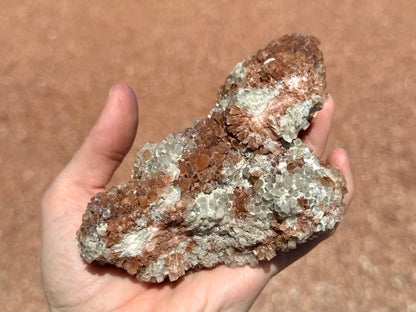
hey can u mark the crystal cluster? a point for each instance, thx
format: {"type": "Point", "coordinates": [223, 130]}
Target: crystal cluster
{"type": "Point", "coordinates": [234, 188]}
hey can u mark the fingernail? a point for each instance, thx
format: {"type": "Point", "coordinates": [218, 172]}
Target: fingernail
{"type": "Point", "coordinates": [111, 90]}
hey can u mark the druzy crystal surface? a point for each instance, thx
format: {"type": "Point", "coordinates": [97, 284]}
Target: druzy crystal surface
{"type": "Point", "coordinates": [235, 187]}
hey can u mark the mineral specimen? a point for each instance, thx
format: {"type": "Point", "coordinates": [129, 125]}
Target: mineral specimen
{"type": "Point", "coordinates": [233, 189]}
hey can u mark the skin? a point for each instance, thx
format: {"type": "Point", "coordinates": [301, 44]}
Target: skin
{"type": "Point", "coordinates": [70, 284]}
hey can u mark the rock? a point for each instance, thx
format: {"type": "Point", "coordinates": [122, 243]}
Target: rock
{"type": "Point", "coordinates": [233, 189]}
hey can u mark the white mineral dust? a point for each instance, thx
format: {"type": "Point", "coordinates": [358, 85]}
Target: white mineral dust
{"type": "Point", "coordinates": [269, 60]}
{"type": "Point", "coordinates": [293, 81]}
{"type": "Point", "coordinates": [102, 229]}
{"type": "Point", "coordinates": [169, 196]}
{"type": "Point", "coordinates": [132, 243]}
{"type": "Point", "coordinates": [254, 101]}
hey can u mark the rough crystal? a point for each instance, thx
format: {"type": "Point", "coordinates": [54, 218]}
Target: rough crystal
{"type": "Point", "coordinates": [233, 189]}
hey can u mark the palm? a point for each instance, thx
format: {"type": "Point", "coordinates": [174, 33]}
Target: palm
{"type": "Point", "coordinates": [71, 284]}
{"type": "Point", "coordinates": [91, 286]}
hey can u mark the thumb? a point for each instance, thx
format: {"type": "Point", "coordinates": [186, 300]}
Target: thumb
{"type": "Point", "coordinates": [94, 164]}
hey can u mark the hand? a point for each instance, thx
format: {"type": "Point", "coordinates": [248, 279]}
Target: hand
{"type": "Point", "coordinates": [72, 284]}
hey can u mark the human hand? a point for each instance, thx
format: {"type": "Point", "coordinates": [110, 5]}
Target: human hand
{"type": "Point", "coordinates": [70, 284]}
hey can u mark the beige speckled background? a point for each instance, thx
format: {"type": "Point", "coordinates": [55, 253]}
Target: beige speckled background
{"type": "Point", "coordinates": [58, 60]}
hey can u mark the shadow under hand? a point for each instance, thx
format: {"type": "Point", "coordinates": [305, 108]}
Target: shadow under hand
{"type": "Point", "coordinates": [284, 259]}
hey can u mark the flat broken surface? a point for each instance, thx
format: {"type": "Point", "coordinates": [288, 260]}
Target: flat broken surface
{"type": "Point", "coordinates": [233, 189]}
